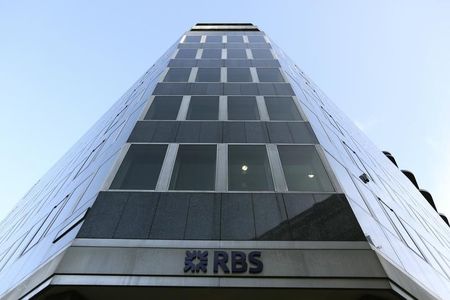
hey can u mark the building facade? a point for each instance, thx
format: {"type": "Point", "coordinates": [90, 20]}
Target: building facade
{"type": "Point", "coordinates": [225, 172]}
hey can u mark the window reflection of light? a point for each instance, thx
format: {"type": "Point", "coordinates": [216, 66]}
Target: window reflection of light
{"type": "Point", "coordinates": [244, 168]}
{"type": "Point", "coordinates": [310, 175]}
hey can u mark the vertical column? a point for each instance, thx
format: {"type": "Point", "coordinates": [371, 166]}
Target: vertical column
{"type": "Point", "coordinates": [167, 168]}
{"type": "Point", "coordinates": [276, 168]}
{"type": "Point", "coordinates": [222, 168]}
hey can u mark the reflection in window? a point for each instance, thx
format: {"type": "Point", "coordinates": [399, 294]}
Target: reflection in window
{"type": "Point", "coordinates": [177, 75]}
{"type": "Point", "coordinates": [236, 53]}
{"type": "Point", "coordinates": [282, 108]}
{"type": "Point", "coordinates": [269, 75]}
{"type": "Point", "coordinates": [256, 39]}
{"type": "Point", "coordinates": [186, 53]}
{"type": "Point", "coordinates": [242, 108]}
{"type": "Point", "coordinates": [195, 168]}
{"type": "Point", "coordinates": [203, 108]}
{"type": "Point", "coordinates": [212, 53]}
{"type": "Point", "coordinates": [214, 39]}
{"type": "Point", "coordinates": [140, 168]}
{"type": "Point", "coordinates": [235, 39]}
{"type": "Point", "coordinates": [193, 39]}
{"type": "Point", "coordinates": [239, 75]}
{"type": "Point", "coordinates": [262, 54]}
{"type": "Point", "coordinates": [208, 75]}
{"type": "Point", "coordinates": [303, 169]}
{"type": "Point", "coordinates": [248, 168]}
{"type": "Point", "coordinates": [164, 108]}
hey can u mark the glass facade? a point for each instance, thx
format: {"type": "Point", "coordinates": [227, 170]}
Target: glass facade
{"type": "Point", "coordinates": [225, 139]}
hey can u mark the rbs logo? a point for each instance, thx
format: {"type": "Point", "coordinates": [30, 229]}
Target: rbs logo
{"type": "Point", "coordinates": [237, 261]}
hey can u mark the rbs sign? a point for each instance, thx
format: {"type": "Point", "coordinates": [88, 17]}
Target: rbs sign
{"type": "Point", "coordinates": [234, 261]}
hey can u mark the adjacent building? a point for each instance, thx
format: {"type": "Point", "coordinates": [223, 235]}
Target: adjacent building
{"type": "Point", "coordinates": [225, 172]}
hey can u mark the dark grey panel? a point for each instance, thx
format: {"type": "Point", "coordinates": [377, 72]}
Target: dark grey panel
{"type": "Point", "coordinates": [205, 89]}
{"type": "Point", "coordinates": [236, 54]}
{"type": "Point", "coordinates": [301, 133]}
{"type": "Point", "coordinates": [192, 39]}
{"type": "Point", "coordinates": [143, 131]}
{"type": "Point", "coordinates": [182, 63]}
{"type": "Point", "coordinates": [262, 63]}
{"type": "Point", "coordinates": [283, 89]}
{"type": "Point", "coordinates": [199, 132]}
{"type": "Point", "coordinates": [279, 132]}
{"type": "Point", "coordinates": [238, 63]}
{"type": "Point", "coordinates": [237, 217]}
{"type": "Point", "coordinates": [235, 39]}
{"type": "Point", "coordinates": [166, 88]}
{"type": "Point", "coordinates": [270, 217]}
{"type": "Point", "coordinates": [165, 131]}
{"type": "Point", "coordinates": [186, 53]}
{"type": "Point", "coordinates": [329, 218]}
{"type": "Point", "coordinates": [262, 54]}
{"type": "Point", "coordinates": [170, 217]}
{"type": "Point", "coordinates": [335, 218]}
{"type": "Point", "coordinates": [203, 221]}
{"type": "Point", "coordinates": [214, 39]}
{"type": "Point", "coordinates": [104, 216]}
{"type": "Point", "coordinates": [137, 216]}
{"type": "Point", "coordinates": [234, 132]}
{"type": "Point", "coordinates": [241, 89]}
{"type": "Point", "coordinates": [189, 46]}
{"type": "Point", "coordinates": [256, 132]}
{"type": "Point", "coordinates": [256, 39]}
{"type": "Point", "coordinates": [188, 132]}
{"type": "Point", "coordinates": [209, 63]}
{"type": "Point", "coordinates": [213, 46]}
{"type": "Point", "coordinates": [210, 132]}
{"type": "Point", "coordinates": [266, 89]}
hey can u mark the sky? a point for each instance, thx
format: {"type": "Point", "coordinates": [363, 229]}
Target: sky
{"type": "Point", "coordinates": [385, 63]}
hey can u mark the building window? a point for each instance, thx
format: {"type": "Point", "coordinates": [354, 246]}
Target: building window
{"type": "Point", "coordinates": [203, 108]}
{"type": "Point", "coordinates": [239, 75]}
{"type": "Point", "coordinates": [214, 39]}
{"type": "Point", "coordinates": [303, 169]}
{"type": "Point", "coordinates": [236, 53]}
{"type": "Point", "coordinates": [269, 75]}
{"type": "Point", "coordinates": [248, 168]}
{"type": "Point", "coordinates": [262, 54]}
{"type": "Point", "coordinates": [212, 53]}
{"type": "Point", "coordinates": [178, 75]}
{"type": "Point", "coordinates": [195, 168]}
{"type": "Point", "coordinates": [242, 108]}
{"type": "Point", "coordinates": [256, 39]}
{"type": "Point", "coordinates": [235, 39]}
{"type": "Point", "coordinates": [208, 75]}
{"type": "Point", "coordinates": [186, 53]}
{"type": "Point", "coordinates": [164, 108]}
{"type": "Point", "coordinates": [282, 108]}
{"type": "Point", "coordinates": [140, 168]}
{"type": "Point", "coordinates": [192, 39]}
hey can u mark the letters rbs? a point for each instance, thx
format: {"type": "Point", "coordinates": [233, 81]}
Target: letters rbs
{"type": "Point", "coordinates": [229, 262]}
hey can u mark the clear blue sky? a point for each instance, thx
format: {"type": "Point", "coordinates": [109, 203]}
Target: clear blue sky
{"type": "Point", "coordinates": [385, 63]}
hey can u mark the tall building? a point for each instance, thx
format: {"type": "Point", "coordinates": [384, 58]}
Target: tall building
{"type": "Point", "coordinates": [225, 172]}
